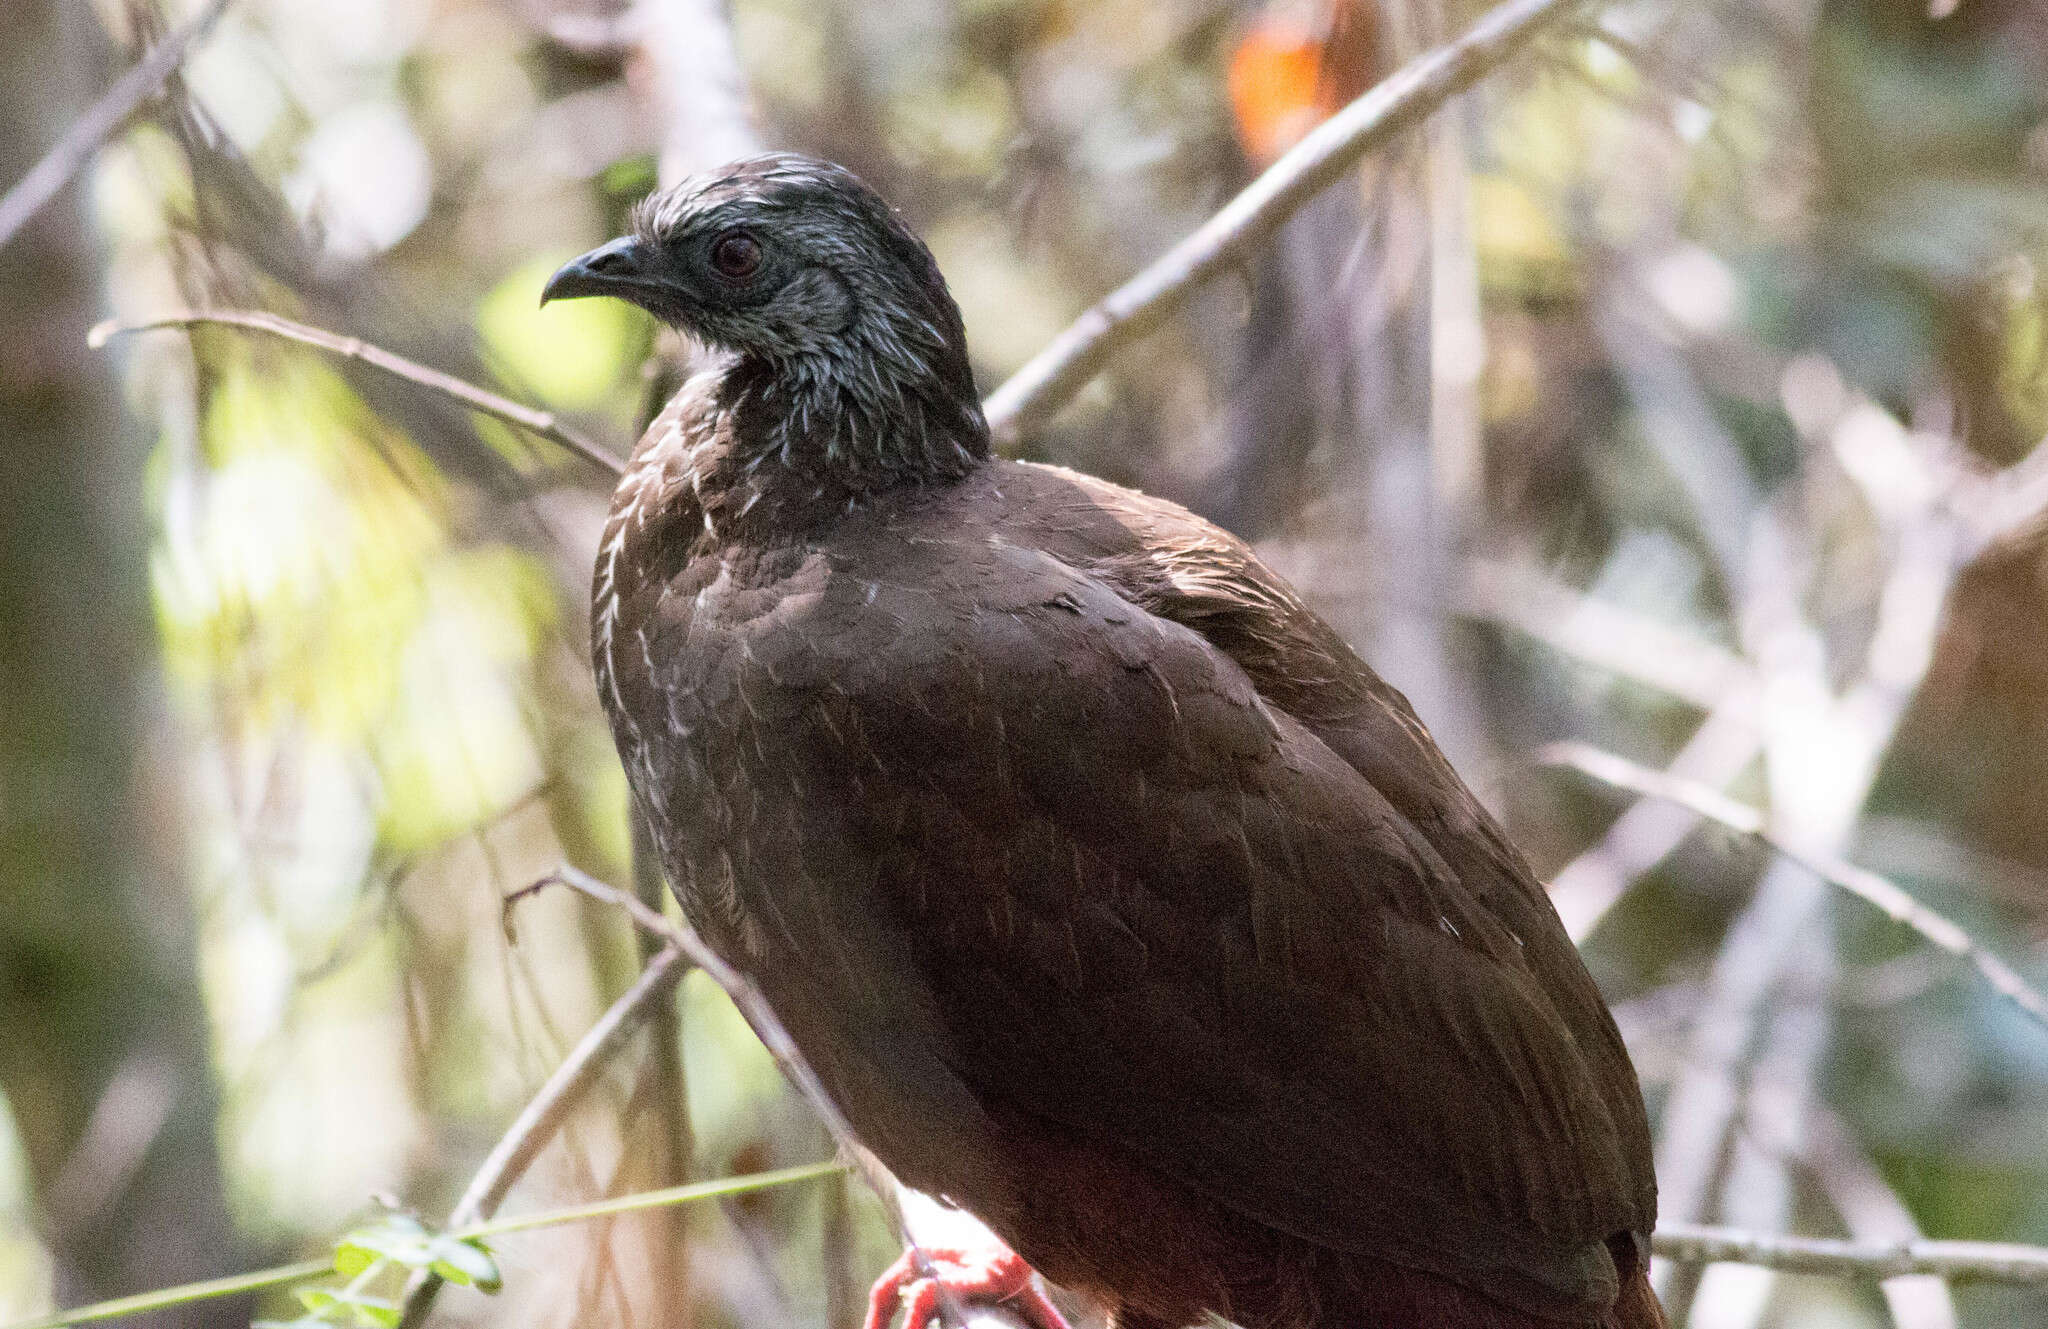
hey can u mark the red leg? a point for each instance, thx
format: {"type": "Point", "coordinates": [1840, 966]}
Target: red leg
{"type": "Point", "coordinates": [992, 1276]}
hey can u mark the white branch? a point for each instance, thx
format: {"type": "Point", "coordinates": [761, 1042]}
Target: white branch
{"type": "Point", "coordinates": [1724, 745]}
{"type": "Point", "coordinates": [696, 87]}
{"type": "Point", "coordinates": [1862, 883]}
{"type": "Point", "coordinates": [1399, 103]}
{"type": "Point", "coordinates": [1873, 1211]}
{"type": "Point", "coordinates": [1985, 1261]}
{"type": "Point", "coordinates": [1604, 635]}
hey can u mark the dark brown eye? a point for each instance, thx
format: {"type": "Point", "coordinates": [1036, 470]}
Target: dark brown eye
{"type": "Point", "coordinates": [736, 255]}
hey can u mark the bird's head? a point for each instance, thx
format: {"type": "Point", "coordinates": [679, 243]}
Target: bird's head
{"type": "Point", "coordinates": [808, 277]}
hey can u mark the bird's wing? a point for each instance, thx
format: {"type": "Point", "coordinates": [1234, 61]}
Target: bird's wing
{"type": "Point", "coordinates": [1174, 564]}
{"type": "Point", "coordinates": [1155, 908]}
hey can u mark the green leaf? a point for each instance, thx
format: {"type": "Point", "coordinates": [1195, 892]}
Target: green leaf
{"type": "Point", "coordinates": [399, 1238]}
{"type": "Point", "coordinates": [351, 1258]}
{"type": "Point", "coordinates": [329, 1306]}
{"type": "Point", "coordinates": [466, 1262]}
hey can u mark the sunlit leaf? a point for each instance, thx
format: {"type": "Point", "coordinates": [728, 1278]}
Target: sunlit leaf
{"type": "Point", "coordinates": [467, 1262]}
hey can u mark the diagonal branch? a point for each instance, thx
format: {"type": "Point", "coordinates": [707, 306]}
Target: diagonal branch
{"type": "Point", "coordinates": [1873, 1211]}
{"type": "Point", "coordinates": [1397, 104]}
{"type": "Point", "coordinates": [1603, 635]}
{"type": "Point", "coordinates": [478, 399]}
{"type": "Point", "coordinates": [1865, 885]}
{"type": "Point", "coordinates": [767, 1026]}
{"type": "Point", "coordinates": [69, 154]}
{"type": "Point", "coordinates": [769, 1029]}
{"type": "Point", "coordinates": [542, 1118]}
{"type": "Point", "coordinates": [1721, 748]}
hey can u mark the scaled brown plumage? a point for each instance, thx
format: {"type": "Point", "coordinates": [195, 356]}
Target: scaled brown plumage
{"type": "Point", "coordinates": [1110, 894]}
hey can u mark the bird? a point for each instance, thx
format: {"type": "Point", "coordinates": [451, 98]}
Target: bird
{"type": "Point", "coordinates": [1110, 895]}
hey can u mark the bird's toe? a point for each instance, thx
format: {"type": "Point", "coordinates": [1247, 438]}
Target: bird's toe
{"type": "Point", "coordinates": [991, 1276]}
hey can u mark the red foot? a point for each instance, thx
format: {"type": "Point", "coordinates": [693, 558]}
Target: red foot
{"type": "Point", "coordinates": [995, 1275]}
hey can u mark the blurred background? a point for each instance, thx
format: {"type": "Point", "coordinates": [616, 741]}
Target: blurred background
{"type": "Point", "coordinates": [1671, 392]}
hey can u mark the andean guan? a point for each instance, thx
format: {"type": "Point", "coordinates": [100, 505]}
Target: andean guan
{"type": "Point", "coordinates": [1112, 897]}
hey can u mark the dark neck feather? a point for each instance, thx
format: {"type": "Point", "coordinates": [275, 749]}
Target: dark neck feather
{"type": "Point", "coordinates": [857, 421]}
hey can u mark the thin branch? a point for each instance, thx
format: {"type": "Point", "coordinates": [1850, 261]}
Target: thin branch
{"type": "Point", "coordinates": [1686, 1243]}
{"type": "Point", "coordinates": [767, 1025]}
{"type": "Point", "coordinates": [1873, 1211]}
{"type": "Point", "coordinates": [769, 1028]}
{"type": "Point", "coordinates": [666, 1080]}
{"type": "Point", "coordinates": [478, 399]}
{"type": "Point", "coordinates": [595, 36]}
{"type": "Point", "coordinates": [1982, 1261]}
{"type": "Point", "coordinates": [542, 1118]}
{"type": "Point", "coordinates": [1395, 105]}
{"type": "Point", "coordinates": [186, 1293]}
{"type": "Point", "coordinates": [69, 154]}
{"type": "Point", "coordinates": [1721, 748]}
{"type": "Point", "coordinates": [1862, 883]}
{"type": "Point", "coordinates": [1604, 635]}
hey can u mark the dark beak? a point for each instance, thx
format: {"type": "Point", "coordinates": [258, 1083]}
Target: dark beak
{"type": "Point", "coordinates": [623, 268]}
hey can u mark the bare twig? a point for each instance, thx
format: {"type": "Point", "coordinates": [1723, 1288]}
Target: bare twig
{"type": "Point", "coordinates": [235, 1284]}
{"type": "Point", "coordinates": [511, 412]}
{"type": "Point", "coordinates": [1862, 883]}
{"type": "Point", "coordinates": [1583, 890]}
{"type": "Point", "coordinates": [766, 1024]}
{"type": "Point", "coordinates": [769, 1029]}
{"type": "Point", "coordinates": [1397, 104]}
{"type": "Point", "coordinates": [595, 35]}
{"type": "Point", "coordinates": [69, 154]}
{"type": "Point", "coordinates": [1982, 1261]}
{"type": "Point", "coordinates": [667, 1082]}
{"type": "Point", "coordinates": [542, 1117]}
{"type": "Point", "coordinates": [1604, 635]}
{"type": "Point", "coordinates": [1873, 1211]}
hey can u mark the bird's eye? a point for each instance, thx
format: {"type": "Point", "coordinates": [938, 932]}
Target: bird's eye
{"type": "Point", "coordinates": [736, 255]}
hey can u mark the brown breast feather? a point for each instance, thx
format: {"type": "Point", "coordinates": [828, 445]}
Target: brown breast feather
{"type": "Point", "coordinates": [1146, 852]}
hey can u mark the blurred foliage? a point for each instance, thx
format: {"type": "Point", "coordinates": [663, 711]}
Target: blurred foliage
{"type": "Point", "coordinates": [1807, 218]}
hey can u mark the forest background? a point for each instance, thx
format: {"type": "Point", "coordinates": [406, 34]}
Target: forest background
{"type": "Point", "coordinates": [1660, 416]}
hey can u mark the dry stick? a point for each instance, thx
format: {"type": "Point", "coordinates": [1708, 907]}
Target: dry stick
{"type": "Point", "coordinates": [1986, 1261]}
{"type": "Point", "coordinates": [278, 1276]}
{"type": "Point", "coordinates": [1393, 106]}
{"type": "Point", "coordinates": [1862, 883]}
{"type": "Point", "coordinates": [766, 1025]}
{"type": "Point", "coordinates": [542, 1117]}
{"type": "Point", "coordinates": [1603, 634]}
{"type": "Point", "coordinates": [769, 1029]}
{"type": "Point", "coordinates": [511, 412]}
{"type": "Point", "coordinates": [69, 154]}
{"type": "Point", "coordinates": [1872, 1211]}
